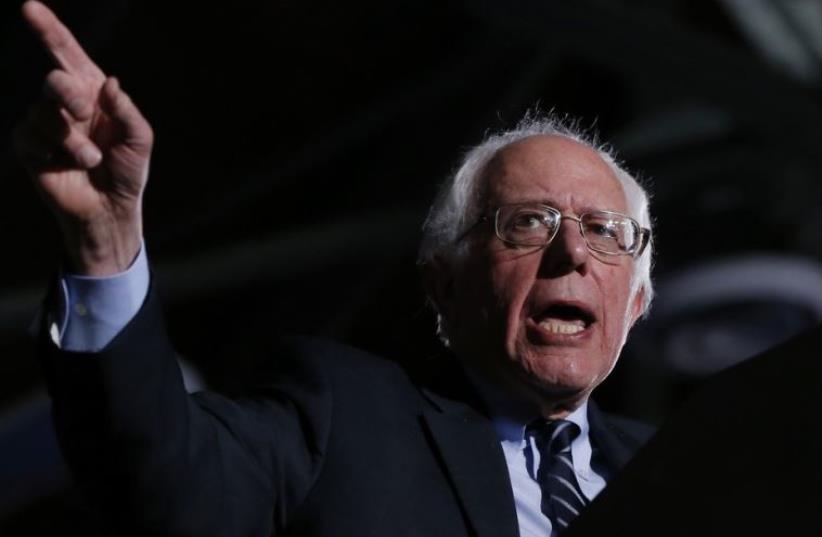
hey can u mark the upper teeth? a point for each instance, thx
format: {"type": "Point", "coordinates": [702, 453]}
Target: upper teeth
{"type": "Point", "coordinates": [560, 326]}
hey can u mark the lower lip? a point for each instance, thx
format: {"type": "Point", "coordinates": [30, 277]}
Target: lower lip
{"type": "Point", "coordinates": [540, 336]}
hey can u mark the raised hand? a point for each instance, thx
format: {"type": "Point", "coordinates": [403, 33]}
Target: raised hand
{"type": "Point", "coordinates": [87, 148]}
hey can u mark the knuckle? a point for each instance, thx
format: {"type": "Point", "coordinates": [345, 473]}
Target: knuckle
{"type": "Point", "coordinates": [71, 143]}
{"type": "Point", "coordinates": [55, 76]}
{"type": "Point", "coordinates": [57, 86]}
{"type": "Point", "coordinates": [148, 136]}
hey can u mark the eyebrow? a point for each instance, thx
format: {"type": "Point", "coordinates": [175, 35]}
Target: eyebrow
{"type": "Point", "coordinates": [552, 203]}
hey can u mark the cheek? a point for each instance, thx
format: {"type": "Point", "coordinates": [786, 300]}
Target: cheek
{"type": "Point", "coordinates": [512, 287]}
{"type": "Point", "coordinates": [617, 305]}
{"type": "Point", "coordinates": [493, 294]}
{"type": "Point", "coordinates": [511, 284]}
{"type": "Point", "coordinates": [474, 315]}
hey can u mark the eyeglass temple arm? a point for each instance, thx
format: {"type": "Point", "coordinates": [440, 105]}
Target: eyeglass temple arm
{"type": "Point", "coordinates": [480, 220]}
{"type": "Point", "coordinates": [645, 238]}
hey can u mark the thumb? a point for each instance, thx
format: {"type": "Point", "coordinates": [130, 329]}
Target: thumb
{"type": "Point", "coordinates": [121, 110]}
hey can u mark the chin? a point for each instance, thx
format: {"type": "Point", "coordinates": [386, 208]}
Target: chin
{"type": "Point", "coordinates": [562, 376]}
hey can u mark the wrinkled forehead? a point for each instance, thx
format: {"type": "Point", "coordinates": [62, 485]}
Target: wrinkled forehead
{"type": "Point", "coordinates": [553, 170]}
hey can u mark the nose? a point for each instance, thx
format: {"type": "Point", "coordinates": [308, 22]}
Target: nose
{"type": "Point", "coordinates": [567, 253]}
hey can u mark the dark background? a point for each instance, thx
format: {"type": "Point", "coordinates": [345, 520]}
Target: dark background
{"type": "Point", "coordinates": [299, 144]}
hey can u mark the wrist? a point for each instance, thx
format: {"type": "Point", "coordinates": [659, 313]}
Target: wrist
{"type": "Point", "coordinates": [103, 246]}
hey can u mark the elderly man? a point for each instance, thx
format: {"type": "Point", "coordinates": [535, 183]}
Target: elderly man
{"type": "Point", "coordinates": [537, 273]}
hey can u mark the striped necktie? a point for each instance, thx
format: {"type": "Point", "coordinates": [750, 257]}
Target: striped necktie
{"type": "Point", "coordinates": [562, 499]}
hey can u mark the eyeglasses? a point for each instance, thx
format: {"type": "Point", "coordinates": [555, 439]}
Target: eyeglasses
{"type": "Point", "coordinates": [536, 225]}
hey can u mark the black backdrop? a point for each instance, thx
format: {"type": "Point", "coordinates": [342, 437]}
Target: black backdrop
{"type": "Point", "coordinates": [298, 145]}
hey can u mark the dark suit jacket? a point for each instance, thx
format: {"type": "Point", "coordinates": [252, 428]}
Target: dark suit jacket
{"type": "Point", "coordinates": [333, 442]}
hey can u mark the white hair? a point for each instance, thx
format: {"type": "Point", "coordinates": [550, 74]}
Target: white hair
{"type": "Point", "coordinates": [457, 205]}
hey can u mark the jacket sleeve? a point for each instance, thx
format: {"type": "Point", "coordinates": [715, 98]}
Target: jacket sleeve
{"type": "Point", "coordinates": [156, 460]}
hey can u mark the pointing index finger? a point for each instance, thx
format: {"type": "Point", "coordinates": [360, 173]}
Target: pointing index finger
{"type": "Point", "coordinates": [59, 41]}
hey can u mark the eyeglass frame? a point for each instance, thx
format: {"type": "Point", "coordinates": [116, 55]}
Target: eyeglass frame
{"type": "Point", "coordinates": [644, 233]}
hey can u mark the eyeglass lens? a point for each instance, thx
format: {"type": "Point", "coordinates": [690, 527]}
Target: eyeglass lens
{"type": "Point", "coordinates": [526, 225]}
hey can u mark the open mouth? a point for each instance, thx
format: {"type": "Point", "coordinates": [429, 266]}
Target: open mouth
{"type": "Point", "coordinates": [565, 319]}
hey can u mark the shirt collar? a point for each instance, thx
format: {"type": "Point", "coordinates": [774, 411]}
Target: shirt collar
{"type": "Point", "coordinates": [510, 417]}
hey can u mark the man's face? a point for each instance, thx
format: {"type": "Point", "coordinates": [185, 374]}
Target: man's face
{"type": "Point", "coordinates": [515, 313]}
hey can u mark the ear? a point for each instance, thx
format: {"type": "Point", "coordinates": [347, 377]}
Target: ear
{"type": "Point", "coordinates": [638, 305]}
{"type": "Point", "coordinates": [438, 280]}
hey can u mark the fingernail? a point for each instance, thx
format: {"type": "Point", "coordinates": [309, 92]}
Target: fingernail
{"type": "Point", "coordinates": [90, 156]}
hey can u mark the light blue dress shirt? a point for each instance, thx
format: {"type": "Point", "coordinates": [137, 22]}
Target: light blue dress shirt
{"type": "Point", "coordinates": [522, 456]}
{"type": "Point", "coordinates": [94, 310]}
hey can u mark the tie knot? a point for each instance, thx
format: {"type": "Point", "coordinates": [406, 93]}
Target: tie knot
{"type": "Point", "coordinates": [553, 437]}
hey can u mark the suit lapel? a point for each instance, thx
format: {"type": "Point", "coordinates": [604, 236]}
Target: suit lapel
{"type": "Point", "coordinates": [473, 458]}
{"type": "Point", "coordinates": [611, 442]}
